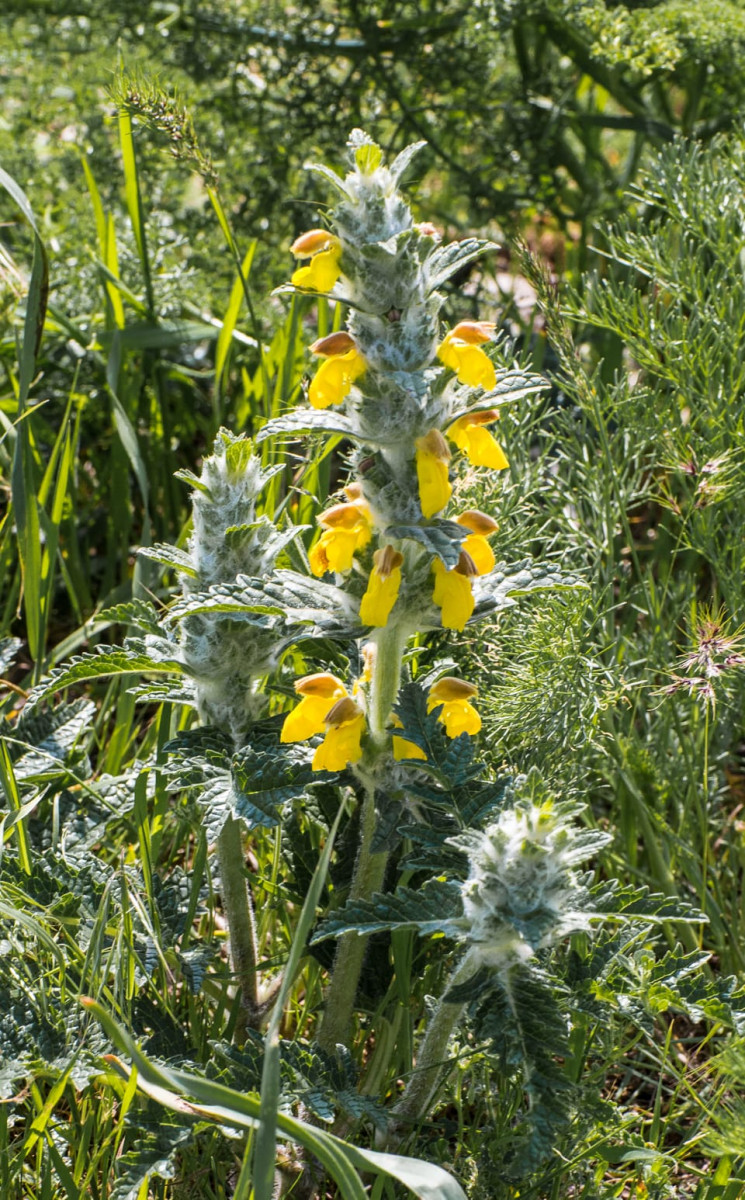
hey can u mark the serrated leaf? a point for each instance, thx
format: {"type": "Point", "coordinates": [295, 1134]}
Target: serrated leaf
{"type": "Point", "coordinates": [447, 260]}
{"type": "Point", "coordinates": [511, 386]}
{"type": "Point", "coordinates": [309, 420]}
{"type": "Point", "coordinates": [450, 758]}
{"type": "Point", "coordinates": [443, 539]}
{"type": "Point", "coordinates": [132, 612]}
{"type": "Point", "coordinates": [402, 161]}
{"type": "Point", "coordinates": [286, 601]}
{"type": "Point", "coordinates": [170, 556]}
{"type": "Point", "coordinates": [638, 902]}
{"type": "Point", "coordinates": [9, 647]}
{"type": "Point", "coordinates": [500, 589]}
{"type": "Point", "coordinates": [432, 909]}
{"type": "Point", "coordinates": [152, 1155]}
{"type": "Point", "coordinates": [101, 663]}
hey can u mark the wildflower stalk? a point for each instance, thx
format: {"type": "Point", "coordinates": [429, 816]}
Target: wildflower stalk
{"type": "Point", "coordinates": [239, 915]}
{"type": "Point", "coordinates": [432, 1056]}
{"type": "Point", "coordinates": [386, 681]}
{"type": "Point", "coordinates": [369, 872]}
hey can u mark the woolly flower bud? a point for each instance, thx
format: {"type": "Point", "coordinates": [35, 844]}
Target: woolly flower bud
{"type": "Point", "coordinates": [523, 893]}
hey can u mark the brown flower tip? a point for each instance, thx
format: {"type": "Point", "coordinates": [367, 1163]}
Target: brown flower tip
{"type": "Point", "coordinates": [465, 565]}
{"type": "Point", "coordinates": [386, 561]}
{"type": "Point", "coordinates": [478, 522]}
{"type": "Point", "coordinates": [473, 332]}
{"type": "Point", "coordinates": [434, 443]}
{"type": "Point", "coordinates": [335, 343]}
{"type": "Point", "coordinates": [344, 710]}
{"type": "Point", "coordinates": [321, 684]}
{"type": "Point", "coordinates": [312, 242]}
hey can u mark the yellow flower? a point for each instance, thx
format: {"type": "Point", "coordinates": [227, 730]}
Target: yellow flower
{"type": "Point", "coordinates": [382, 587]}
{"type": "Point", "coordinates": [475, 545]}
{"type": "Point", "coordinates": [432, 458]}
{"type": "Point", "coordinates": [345, 725]}
{"type": "Point", "coordinates": [346, 529]}
{"type": "Point", "coordinates": [460, 351]}
{"type": "Point", "coordinates": [335, 376]}
{"type": "Point", "coordinates": [453, 593]}
{"type": "Point", "coordinates": [476, 442]}
{"type": "Point", "coordinates": [319, 695]}
{"type": "Point", "coordinates": [458, 714]}
{"type": "Point", "coordinates": [324, 251]}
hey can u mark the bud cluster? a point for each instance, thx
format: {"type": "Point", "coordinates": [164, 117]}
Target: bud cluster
{"type": "Point", "coordinates": [225, 657]}
{"type": "Point", "coordinates": [523, 892]}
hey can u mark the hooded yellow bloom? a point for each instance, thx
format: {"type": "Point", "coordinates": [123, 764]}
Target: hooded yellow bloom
{"type": "Point", "coordinates": [345, 725]}
{"type": "Point", "coordinates": [475, 545]}
{"type": "Point", "coordinates": [334, 378]}
{"type": "Point", "coordinates": [319, 695]}
{"type": "Point", "coordinates": [432, 458]}
{"type": "Point", "coordinates": [346, 529]}
{"type": "Point", "coordinates": [382, 587]}
{"type": "Point", "coordinates": [453, 592]}
{"type": "Point", "coordinates": [324, 251]}
{"type": "Point", "coordinates": [480, 447]}
{"type": "Point", "coordinates": [458, 714]}
{"type": "Point", "coordinates": [460, 350]}
{"type": "Point", "coordinates": [402, 747]}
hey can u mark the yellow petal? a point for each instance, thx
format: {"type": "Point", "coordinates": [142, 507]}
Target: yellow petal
{"type": "Point", "coordinates": [471, 365]}
{"type": "Point", "coordinates": [478, 444]}
{"type": "Point", "coordinates": [459, 716]}
{"type": "Point", "coordinates": [381, 595]}
{"type": "Point", "coordinates": [341, 746]}
{"type": "Point", "coordinates": [434, 484]}
{"type": "Point", "coordinates": [403, 748]}
{"type": "Point", "coordinates": [335, 549]}
{"type": "Point", "coordinates": [334, 378]}
{"type": "Point", "coordinates": [454, 595]}
{"type": "Point", "coordinates": [322, 271]}
{"type": "Point", "coordinates": [307, 718]}
{"type": "Point", "coordinates": [481, 553]}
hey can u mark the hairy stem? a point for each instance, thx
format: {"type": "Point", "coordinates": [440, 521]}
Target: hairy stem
{"type": "Point", "coordinates": [386, 680]}
{"type": "Point", "coordinates": [368, 878]}
{"type": "Point", "coordinates": [238, 908]}
{"type": "Point", "coordinates": [432, 1056]}
{"type": "Point", "coordinates": [369, 869]}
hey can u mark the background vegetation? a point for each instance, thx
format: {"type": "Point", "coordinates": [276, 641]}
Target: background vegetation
{"type": "Point", "coordinates": [606, 137]}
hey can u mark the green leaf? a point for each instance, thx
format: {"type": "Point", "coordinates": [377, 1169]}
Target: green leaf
{"type": "Point", "coordinates": [309, 420]}
{"type": "Point", "coordinates": [432, 909]}
{"type": "Point", "coordinates": [170, 556]}
{"type": "Point", "coordinates": [100, 663]}
{"type": "Point", "coordinates": [447, 260]}
{"type": "Point", "coordinates": [500, 589]}
{"type": "Point", "coordinates": [403, 160]}
{"type": "Point", "coordinates": [441, 538]}
{"type": "Point", "coordinates": [511, 386]}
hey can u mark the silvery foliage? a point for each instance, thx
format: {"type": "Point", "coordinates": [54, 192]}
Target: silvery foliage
{"type": "Point", "coordinates": [523, 892]}
{"type": "Point", "coordinates": [226, 657]}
